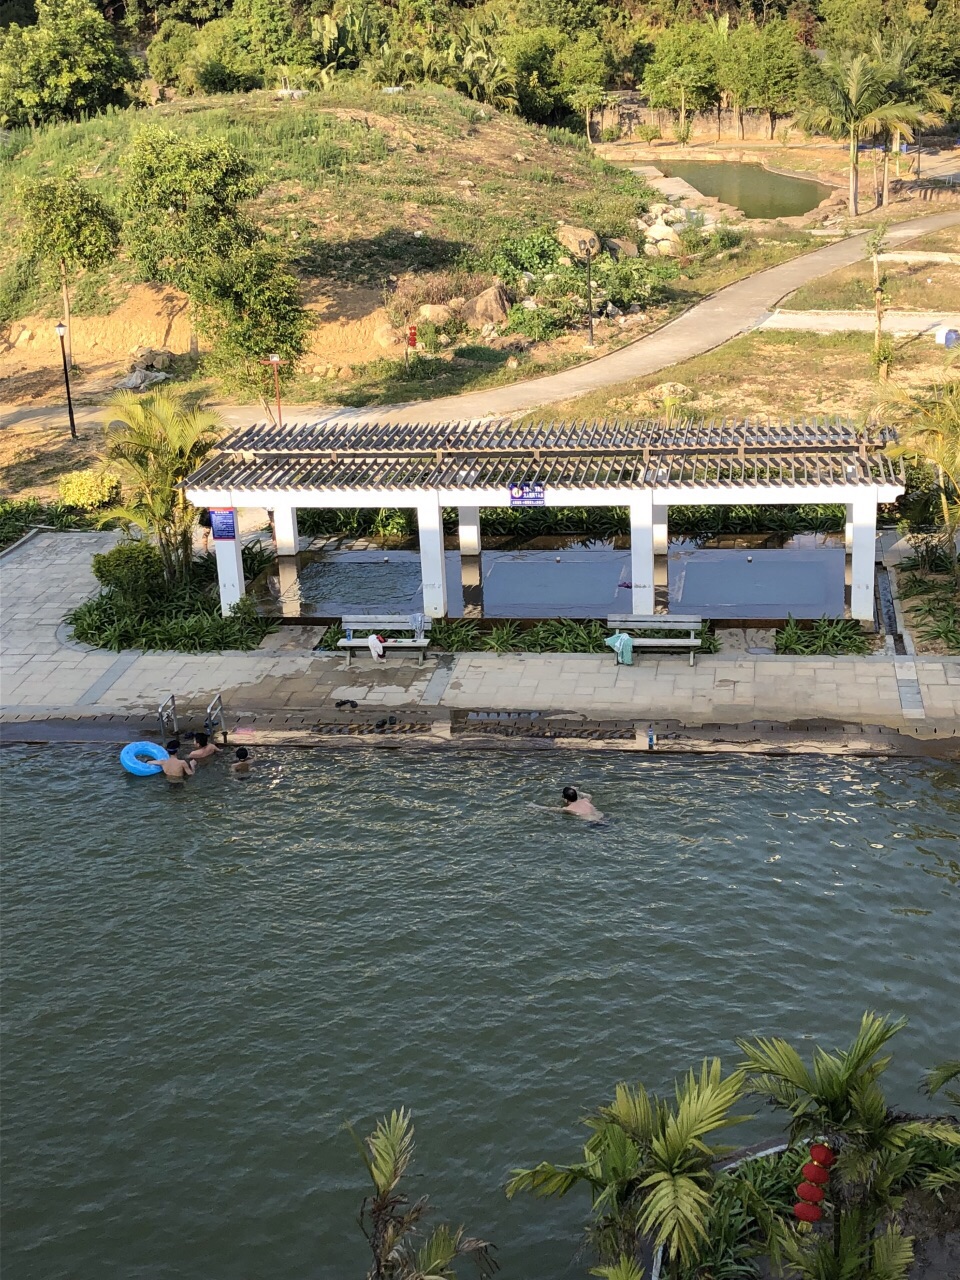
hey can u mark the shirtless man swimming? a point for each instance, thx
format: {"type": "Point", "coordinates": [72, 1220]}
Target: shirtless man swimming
{"type": "Point", "coordinates": [242, 765]}
{"type": "Point", "coordinates": [580, 805]}
{"type": "Point", "coordinates": [204, 749]}
{"type": "Point", "coordinates": [174, 769]}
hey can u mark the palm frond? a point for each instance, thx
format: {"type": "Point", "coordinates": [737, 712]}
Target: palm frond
{"type": "Point", "coordinates": [892, 1255]}
{"type": "Point", "coordinates": [391, 1148]}
{"type": "Point", "coordinates": [623, 1269]}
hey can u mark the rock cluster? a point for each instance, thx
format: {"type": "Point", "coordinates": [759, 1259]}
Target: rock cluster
{"type": "Point", "coordinates": [152, 358]}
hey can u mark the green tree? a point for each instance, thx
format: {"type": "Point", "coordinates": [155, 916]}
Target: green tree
{"type": "Point", "coordinates": [248, 305]}
{"type": "Point", "coordinates": [736, 58]}
{"type": "Point", "coordinates": [66, 228]}
{"type": "Point", "coordinates": [682, 73]}
{"type": "Point", "coordinates": [838, 1100]}
{"type": "Point", "coordinates": [69, 64]}
{"type": "Point", "coordinates": [183, 196]}
{"type": "Point", "coordinates": [152, 442]}
{"type": "Point", "coordinates": [928, 426]}
{"type": "Point", "coordinates": [776, 70]}
{"type": "Point", "coordinates": [856, 99]}
{"type": "Point", "coordinates": [648, 1167]}
{"type": "Point", "coordinates": [531, 58]}
{"type": "Point", "coordinates": [392, 1225]}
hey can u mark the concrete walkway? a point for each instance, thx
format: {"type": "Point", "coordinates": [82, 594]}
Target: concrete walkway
{"type": "Point", "coordinates": [729, 312]}
{"type": "Point", "coordinates": [894, 322]}
{"type": "Point", "coordinates": [45, 675]}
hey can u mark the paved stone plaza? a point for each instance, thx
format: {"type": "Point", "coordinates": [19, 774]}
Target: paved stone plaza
{"type": "Point", "coordinates": [45, 675]}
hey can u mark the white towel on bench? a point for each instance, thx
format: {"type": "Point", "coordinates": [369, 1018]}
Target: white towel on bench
{"type": "Point", "coordinates": [376, 648]}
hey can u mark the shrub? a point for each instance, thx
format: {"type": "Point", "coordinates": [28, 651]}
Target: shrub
{"type": "Point", "coordinates": [16, 518]}
{"type": "Point", "coordinates": [833, 636]}
{"type": "Point", "coordinates": [610, 134]}
{"type": "Point", "coordinates": [134, 570]}
{"type": "Point", "coordinates": [640, 280]}
{"type": "Point", "coordinates": [88, 490]}
{"type": "Point", "coordinates": [649, 132]}
{"type": "Point", "coordinates": [540, 325]}
{"type": "Point", "coordinates": [536, 252]}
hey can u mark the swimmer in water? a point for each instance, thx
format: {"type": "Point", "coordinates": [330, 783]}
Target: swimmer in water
{"type": "Point", "coordinates": [205, 749]}
{"type": "Point", "coordinates": [242, 765]}
{"type": "Point", "coordinates": [175, 769]}
{"type": "Point", "coordinates": [580, 806]}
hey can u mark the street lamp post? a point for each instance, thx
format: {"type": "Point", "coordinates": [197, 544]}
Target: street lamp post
{"type": "Point", "coordinates": [276, 362]}
{"type": "Point", "coordinates": [585, 253]}
{"type": "Point", "coordinates": [61, 330]}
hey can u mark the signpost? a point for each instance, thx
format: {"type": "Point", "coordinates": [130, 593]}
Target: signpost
{"type": "Point", "coordinates": [527, 495]}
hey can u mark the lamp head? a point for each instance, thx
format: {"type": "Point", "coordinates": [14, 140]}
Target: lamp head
{"type": "Point", "coordinates": [60, 329]}
{"type": "Point", "coordinates": [274, 359]}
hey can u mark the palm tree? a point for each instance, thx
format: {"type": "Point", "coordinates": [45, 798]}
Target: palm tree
{"type": "Point", "coordinates": [152, 442]}
{"type": "Point", "coordinates": [647, 1167]}
{"type": "Point", "coordinates": [895, 55]}
{"type": "Point", "coordinates": [943, 1074]}
{"type": "Point", "coordinates": [392, 1224]}
{"type": "Point", "coordinates": [929, 430]}
{"type": "Point", "coordinates": [839, 1101]}
{"type": "Point", "coordinates": [859, 100]}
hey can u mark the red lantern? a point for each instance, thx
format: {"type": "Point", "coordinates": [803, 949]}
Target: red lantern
{"type": "Point", "coordinates": [807, 1212]}
{"type": "Point", "coordinates": [814, 1173]}
{"type": "Point", "coordinates": [807, 1191]}
{"type": "Point", "coordinates": [412, 336]}
{"type": "Point", "coordinates": [823, 1155]}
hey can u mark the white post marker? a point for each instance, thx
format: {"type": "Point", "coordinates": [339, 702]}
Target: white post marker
{"type": "Point", "coordinates": [285, 530]}
{"type": "Point", "coordinates": [227, 545]}
{"type": "Point", "coordinates": [641, 552]}
{"type": "Point", "coordinates": [848, 529]}
{"type": "Point", "coordinates": [864, 541]}
{"type": "Point", "coordinates": [660, 541]}
{"type": "Point", "coordinates": [432, 563]}
{"type": "Point", "coordinates": [469, 520]}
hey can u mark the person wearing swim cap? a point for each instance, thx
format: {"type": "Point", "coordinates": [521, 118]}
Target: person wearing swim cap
{"type": "Point", "coordinates": [580, 805]}
{"type": "Point", "coordinates": [242, 765]}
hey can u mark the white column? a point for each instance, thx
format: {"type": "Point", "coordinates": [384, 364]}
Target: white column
{"type": "Point", "coordinates": [289, 587]}
{"type": "Point", "coordinates": [285, 530]}
{"type": "Point", "coordinates": [432, 563]}
{"type": "Point", "coordinates": [469, 520]}
{"type": "Point", "coordinates": [660, 546]}
{"type": "Point", "coordinates": [848, 529]}
{"type": "Point", "coordinates": [641, 552]}
{"type": "Point", "coordinates": [229, 570]}
{"type": "Point", "coordinates": [864, 549]}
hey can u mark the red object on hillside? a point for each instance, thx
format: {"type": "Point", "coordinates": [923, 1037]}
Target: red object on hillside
{"type": "Point", "coordinates": [823, 1155]}
{"type": "Point", "coordinates": [808, 1212]}
{"type": "Point", "coordinates": [815, 1173]}
{"type": "Point", "coordinates": [807, 1191]}
{"type": "Point", "coordinates": [412, 336]}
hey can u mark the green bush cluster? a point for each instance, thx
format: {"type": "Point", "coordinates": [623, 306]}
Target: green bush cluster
{"type": "Point", "coordinates": [17, 518]}
{"type": "Point", "coordinates": [829, 636]}
{"type": "Point", "coordinates": [88, 490]}
{"type": "Point", "coordinates": [138, 609]}
{"type": "Point", "coordinates": [552, 635]}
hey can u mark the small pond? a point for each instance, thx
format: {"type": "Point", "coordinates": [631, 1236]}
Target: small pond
{"type": "Point", "coordinates": [743, 577]}
{"type": "Point", "coordinates": [749, 187]}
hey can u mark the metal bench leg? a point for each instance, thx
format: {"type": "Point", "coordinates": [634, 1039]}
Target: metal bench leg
{"type": "Point", "coordinates": [349, 657]}
{"type": "Point", "coordinates": [692, 651]}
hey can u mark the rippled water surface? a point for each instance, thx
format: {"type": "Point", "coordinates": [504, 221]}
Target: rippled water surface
{"type": "Point", "coordinates": [202, 984]}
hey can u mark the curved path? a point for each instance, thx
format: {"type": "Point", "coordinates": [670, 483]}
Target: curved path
{"type": "Point", "coordinates": [731, 311]}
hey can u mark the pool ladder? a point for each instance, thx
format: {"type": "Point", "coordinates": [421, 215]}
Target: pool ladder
{"type": "Point", "coordinates": [213, 721]}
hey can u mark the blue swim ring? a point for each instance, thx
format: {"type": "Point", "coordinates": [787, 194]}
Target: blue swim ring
{"type": "Point", "coordinates": [132, 761]}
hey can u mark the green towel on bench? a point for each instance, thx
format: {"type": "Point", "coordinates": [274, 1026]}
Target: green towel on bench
{"type": "Point", "coordinates": [622, 645]}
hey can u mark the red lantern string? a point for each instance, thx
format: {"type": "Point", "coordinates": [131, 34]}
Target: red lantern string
{"type": "Point", "coordinates": [816, 1175]}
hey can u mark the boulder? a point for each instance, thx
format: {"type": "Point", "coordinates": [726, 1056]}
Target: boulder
{"type": "Point", "coordinates": [488, 308]}
{"type": "Point", "coordinates": [435, 313]}
{"type": "Point", "coordinates": [670, 391]}
{"type": "Point", "coordinates": [519, 157]}
{"type": "Point", "coordinates": [162, 359]}
{"type": "Point", "coordinates": [570, 237]}
{"type": "Point", "coordinates": [528, 278]}
{"type": "Point", "coordinates": [659, 207]}
{"type": "Point", "coordinates": [620, 248]}
{"type": "Point", "coordinates": [668, 249]}
{"type": "Point", "coordinates": [456, 304]}
{"type": "Point", "coordinates": [660, 231]}
{"type": "Point", "coordinates": [674, 217]}
{"type": "Point", "coordinates": [386, 336]}
{"type": "Point", "coordinates": [650, 249]}
{"type": "Point", "coordinates": [528, 304]}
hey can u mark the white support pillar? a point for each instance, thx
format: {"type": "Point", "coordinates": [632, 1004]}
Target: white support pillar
{"type": "Point", "coordinates": [285, 531]}
{"type": "Point", "coordinates": [289, 576]}
{"type": "Point", "coordinates": [864, 549]}
{"type": "Point", "coordinates": [848, 529]}
{"type": "Point", "coordinates": [432, 562]}
{"type": "Point", "coordinates": [469, 521]}
{"type": "Point", "coordinates": [660, 544]}
{"type": "Point", "coordinates": [229, 567]}
{"type": "Point", "coordinates": [641, 552]}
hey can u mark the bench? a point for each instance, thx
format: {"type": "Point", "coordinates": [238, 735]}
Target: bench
{"type": "Point", "coordinates": [665, 622]}
{"type": "Point", "coordinates": [372, 624]}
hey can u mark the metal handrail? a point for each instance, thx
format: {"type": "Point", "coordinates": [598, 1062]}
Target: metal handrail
{"type": "Point", "coordinates": [167, 713]}
{"type": "Point", "coordinates": [214, 721]}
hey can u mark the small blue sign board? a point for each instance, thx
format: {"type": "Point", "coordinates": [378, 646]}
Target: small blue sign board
{"type": "Point", "coordinates": [527, 495]}
{"type": "Point", "coordinates": [223, 524]}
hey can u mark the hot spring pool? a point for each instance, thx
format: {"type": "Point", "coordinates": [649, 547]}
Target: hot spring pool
{"type": "Point", "coordinates": [202, 984]}
{"type": "Point", "coordinates": [756, 191]}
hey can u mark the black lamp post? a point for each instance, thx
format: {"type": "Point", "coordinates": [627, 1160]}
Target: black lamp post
{"type": "Point", "coordinates": [61, 330]}
{"type": "Point", "coordinates": [585, 253]}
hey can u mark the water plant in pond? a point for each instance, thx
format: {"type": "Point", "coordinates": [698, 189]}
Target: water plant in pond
{"type": "Point", "coordinates": [392, 1224]}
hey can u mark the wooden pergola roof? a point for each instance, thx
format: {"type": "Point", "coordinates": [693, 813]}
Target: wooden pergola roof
{"type": "Point", "coordinates": [331, 456]}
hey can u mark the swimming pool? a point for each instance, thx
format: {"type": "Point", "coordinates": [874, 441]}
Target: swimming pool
{"type": "Point", "coordinates": [201, 984]}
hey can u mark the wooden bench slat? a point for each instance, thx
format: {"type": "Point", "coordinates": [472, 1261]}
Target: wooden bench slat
{"type": "Point", "coordinates": [665, 642]}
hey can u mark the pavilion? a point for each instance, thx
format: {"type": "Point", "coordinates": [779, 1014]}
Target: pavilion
{"type": "Point", "coordinates": [645, 466]}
